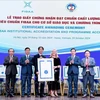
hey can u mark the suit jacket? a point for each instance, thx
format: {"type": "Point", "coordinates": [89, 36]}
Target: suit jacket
{"type": "Point", "coordinates": [35, 61]}
{"type": "Point", "coordinates": [26, 69]}
{"type": "Point", "coordinates": [73, 67]}
{"type": "Point", "coordinates": [90, 66]}
{"type": "Point", "coordinates": [11, 67]}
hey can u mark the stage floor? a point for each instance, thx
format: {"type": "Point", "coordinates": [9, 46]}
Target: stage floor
{"type": "Point", "coordinates": [48, 98]}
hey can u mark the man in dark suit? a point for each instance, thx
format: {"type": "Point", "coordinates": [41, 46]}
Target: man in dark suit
{"type": "Point", "coordinates": [26, 72]}
{"type": "Point", "coordinates": [10, 62]}
{"type": "Point", "coordinates": [73, 62]}
{"type": "Point", "coordinates": [35, 60]}
{"type": "Point", "coordinates": [88, 73]}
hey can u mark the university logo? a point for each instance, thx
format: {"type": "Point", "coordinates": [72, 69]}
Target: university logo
{"type": "Point", "coordinates": [71, 7]}
{"type": "Point", "coordinates": [45, 72]}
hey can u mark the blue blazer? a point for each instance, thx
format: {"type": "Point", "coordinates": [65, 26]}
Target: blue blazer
{"type": "Point", "coordinates": [26, 68]}
{"type": "Point", "coordinates": [91, 65]}
{"type": "Point", "coordinates": [73, 67]}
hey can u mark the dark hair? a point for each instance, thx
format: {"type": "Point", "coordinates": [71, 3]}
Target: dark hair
{"type": "Point", "coordinates": [11, 49]}
{"type": "Point", "coordinates": [27, 48]}
{"type": "Point", "coordinates": [40, 47]}
{"type": "Point", "coordinates": [72, 49]}
{"type": "Point", "coordinates": [87, 51]}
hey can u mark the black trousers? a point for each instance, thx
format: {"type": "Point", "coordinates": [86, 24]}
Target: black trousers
{"type": "Point", "coordinates": [10, 87]}
{"type": "Point", "coordinates": [37, 86]}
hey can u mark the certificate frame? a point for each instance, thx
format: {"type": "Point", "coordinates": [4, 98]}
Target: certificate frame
{"type": "Point", "coordinates": [2, 71]}
{"type": "Point", "coordinates": [65, 70]}
{"type": "Point", "coordinates": [46, 69]}
{"type": "Point", "coordinates": [97, 71]}
{"type": "Point", "coordinates": [18, 75]}
{"type": "Point", "coordinates": [80, 76]}
{"type": "Point", "coordinates": [33, 69]}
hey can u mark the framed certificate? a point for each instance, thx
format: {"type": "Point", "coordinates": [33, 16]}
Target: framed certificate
{"type": "Point", "coordinates": [46, 70]}
{"type": "Point", "coordinates": [3, 68]}
{"type": "Point", "coordinates": [80, 76]}
{"type": "Point", "coordinates": [2, 71]}
{"type": "Point", "coordinates": [65, 70]}
{"type": "Point", "coordinates": [97, 71]}
{"type": "Point", "coordinates": [18, 71]}
{"type": "Point", "coordinates": [33, 69]}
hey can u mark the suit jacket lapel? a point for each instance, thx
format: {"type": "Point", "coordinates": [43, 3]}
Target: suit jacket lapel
{"type": "Point", "coordinates": [29, 57]}
{"type": "Point", "coordinates": [25, 57]}
{"type": "Point", "coordinates": [8, 57]}
{"type": "Point", "coordinates": [13, 57]}
{"type": "Point", "coordinates": [72, 58]}
{"type": "Point", "coordinates": [38, 56]}
{"type": "Point", "coordinates": [75, 58]}
{"type": "Point", "coordinates": [84, 60]}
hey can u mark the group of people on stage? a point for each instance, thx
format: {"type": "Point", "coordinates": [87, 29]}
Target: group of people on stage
{"type": "Point", "coordinates": [27, 61]}
{"type": "Point", "coordinates": [87, 63]}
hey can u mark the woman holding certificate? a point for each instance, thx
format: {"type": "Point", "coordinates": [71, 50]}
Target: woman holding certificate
{"type": "Point", "coordinates": [55, 85]}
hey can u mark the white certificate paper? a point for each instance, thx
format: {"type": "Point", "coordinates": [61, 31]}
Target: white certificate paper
{"type": "Point", "coordinates": [97, 71]}
{"type": "Point", "coordinates": [80, 76]}
{"type": "Point", "coordinates": [2, 71]}
{"type": "Point", "coordinates": [65, 70]}
{"type": "Point", "coordinates": [46, 69]}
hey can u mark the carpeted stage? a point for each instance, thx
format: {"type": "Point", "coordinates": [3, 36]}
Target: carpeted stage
{"type": "Point", "coordinates": [49, 98]}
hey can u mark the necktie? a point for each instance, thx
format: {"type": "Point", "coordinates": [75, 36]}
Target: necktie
{"type": "Point", "coordinates": [72, 58]}
{"type": "Point", "coordinates": [26, 56]}
{"type": "Point", "coordinates": [87, 62]}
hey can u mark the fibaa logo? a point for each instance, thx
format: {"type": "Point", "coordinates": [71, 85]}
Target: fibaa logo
{"type": "Point", "coordinates": [27, 6]}
{"type": "Point", "coordinates": [27, 3]}
{"type": "Point", "coordinates": [71, 7]}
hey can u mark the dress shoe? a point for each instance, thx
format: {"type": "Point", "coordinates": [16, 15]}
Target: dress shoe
{"type": "Point", "coordinates": [84, 96]}
{"type": "Point", "coordinates": [36, 95]}
{"type": "Point", "coordinates": [7, 95]}
{"type": "Point", "coordinates": [22, 96]}
{"type": "Point", "coordinates": [92, 96]}
{"type": "Point", "coordinates": [42, 95]}
{"type": "Point", "coordinates": [28, 95]}
{"type": "Point", "coordinates": [11, 95]}
{"type": "Point", "coordinates": [75, 96]}
{"type": "Point", "coordinates": [70, 95]}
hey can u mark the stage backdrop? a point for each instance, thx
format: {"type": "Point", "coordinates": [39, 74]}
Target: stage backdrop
{"type": "Point", "coordinates": [53, 24]}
